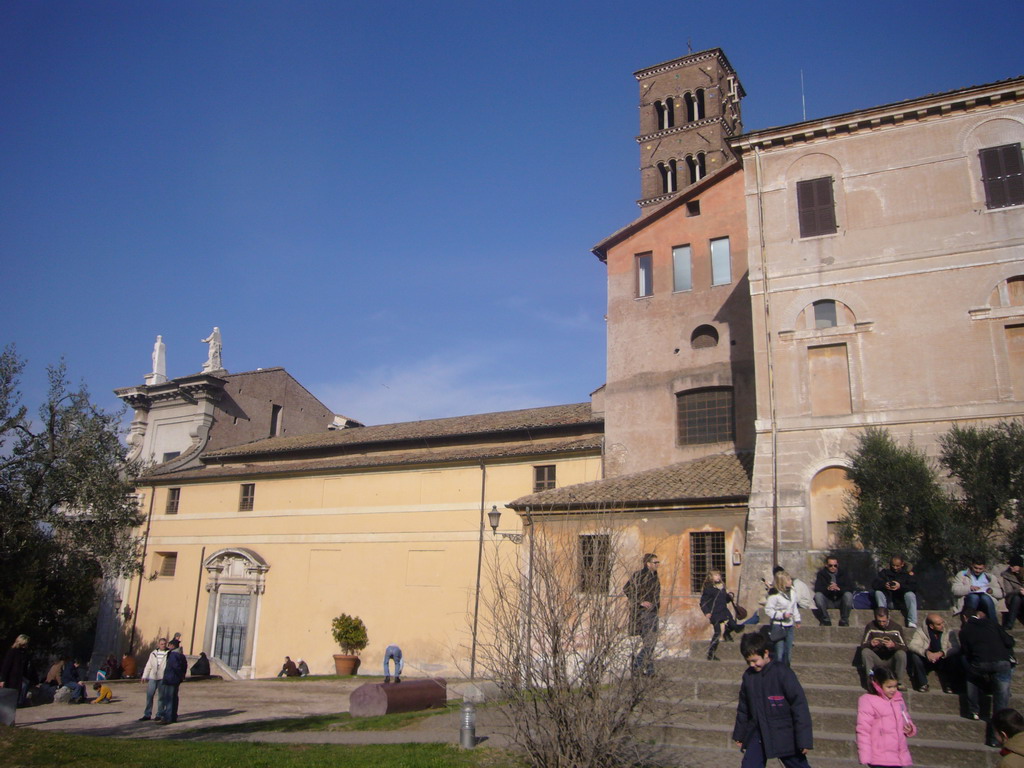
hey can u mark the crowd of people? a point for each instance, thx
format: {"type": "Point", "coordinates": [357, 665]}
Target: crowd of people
{"type": "Point", "coordinates": [974, 658]}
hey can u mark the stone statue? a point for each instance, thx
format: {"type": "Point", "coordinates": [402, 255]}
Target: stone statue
{"type": "Point", "coordinates": [213, 361]}
{"type": "Point", "coordinates": [159, 373]}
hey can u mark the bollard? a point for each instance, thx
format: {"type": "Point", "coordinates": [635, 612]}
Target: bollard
{"type": "Point", "coordinates": [467, 733]}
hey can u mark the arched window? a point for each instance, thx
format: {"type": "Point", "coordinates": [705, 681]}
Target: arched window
{"type": "Point", "coordinates": [705, 416]}
{"type": "Point", "coordinates": [668, 176]}
{"type": "Point", "coordinates": [704, 337]}
{"type": "Point", "coordinates": [698, 105]}
{"type": "Point", "coordinates": [688, 100]}
{"type": "Point", "coordinates": [669, 114]}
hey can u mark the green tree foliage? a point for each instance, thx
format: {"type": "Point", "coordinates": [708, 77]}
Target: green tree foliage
{"type": "Point", "coordinates": [67, 510]}
{"type": "Point", "coordinates": [897, 506]}
{"type": "Point", "coordinates": [988, 465]}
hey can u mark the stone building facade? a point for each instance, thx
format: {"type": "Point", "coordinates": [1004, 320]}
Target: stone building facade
{"type": "Point", "coordinates": [887, 290]}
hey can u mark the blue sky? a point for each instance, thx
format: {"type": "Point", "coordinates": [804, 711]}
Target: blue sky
{"type": "Point", "coordinates": [395, 201]}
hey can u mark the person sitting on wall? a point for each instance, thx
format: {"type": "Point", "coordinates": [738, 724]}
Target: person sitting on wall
{"type": "Point", "coordinates": [202, 666]}
{"type": "Point", "coordinates": [933, 647]}
{"type": "Point", "coordinates": [896, 584]}
{"type": "Point", "coordinates": [833, 588]}
{"type": "Point", "coordinates": [883, 645]}
{"type": "Point", "coordinates": [129, 667]}
{"type": "Point", "coordinates": [288, 669]}
{"type": "Point", "coordinates": [71, 678]}
{"type": "Point", "coordinates": [1012, 582]}
{"type": "Point", "coordinates": [974, 586]}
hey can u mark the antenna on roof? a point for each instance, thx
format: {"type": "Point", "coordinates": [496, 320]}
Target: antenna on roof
{"type": "Point", "coordinates": [689, 45]}
{"type": "Point", "coordinates": [803, 99]}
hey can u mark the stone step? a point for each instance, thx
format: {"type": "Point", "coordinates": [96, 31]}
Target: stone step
{"type": "Point", "coordinates": [698, 756]}
{"type": "Point", "coordinates": [944, 726]}
{"type": "Point", "coordinates": [832, 745]}
{"type": "Point", "coordinates": [730, 669]}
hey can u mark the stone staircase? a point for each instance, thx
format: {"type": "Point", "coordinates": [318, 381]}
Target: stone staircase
{"type": "Point", "coordinates": [700, 705]}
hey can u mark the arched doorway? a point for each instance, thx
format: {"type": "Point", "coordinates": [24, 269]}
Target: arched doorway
{"type": "Point", "coordinates": [828, 507]}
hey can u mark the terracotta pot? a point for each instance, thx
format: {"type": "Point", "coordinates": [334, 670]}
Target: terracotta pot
{"type": "Point", "coordinates": [345, 665]}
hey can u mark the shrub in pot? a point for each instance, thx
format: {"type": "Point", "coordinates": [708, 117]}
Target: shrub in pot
{"type": "Point", "coordinates": [349, 633]}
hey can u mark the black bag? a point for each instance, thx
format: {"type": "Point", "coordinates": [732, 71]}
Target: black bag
{"type": "Point", "coordinates": [776, 632]}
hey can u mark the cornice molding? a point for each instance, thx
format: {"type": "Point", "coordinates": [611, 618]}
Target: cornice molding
{"type": "Point", "coordinates": [886, 116]}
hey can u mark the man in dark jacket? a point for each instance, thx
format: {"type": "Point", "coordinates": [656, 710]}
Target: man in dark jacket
{"type": "Point", "coordinates": [772, 716]}
{"type": "Point", "coordinates": [643, 590]}
{"type": "Point", "coordinates": [894, 585]}
{"type": "Point", "coordinates": [1013, 590]}
{"type": "Point", "coordinates": [71, 678]}
{"type": "Point", "coordinates": [986, 650]}
{"type": "Point", "coordinates": [175, 669]}
{"type": "Point", "coordinates": [833, 589]}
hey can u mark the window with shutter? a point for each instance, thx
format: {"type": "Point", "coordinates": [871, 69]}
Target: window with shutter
{"type": "Point", "coordinates": [1002, 173]}
{"type": "Point", "coordinates": [816, 207]}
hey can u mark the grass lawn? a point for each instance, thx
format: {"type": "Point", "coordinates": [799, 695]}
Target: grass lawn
{"type": "Point", "coordinates": [342, 721]}
{"type": "Point", "coordinates": [24, 747]}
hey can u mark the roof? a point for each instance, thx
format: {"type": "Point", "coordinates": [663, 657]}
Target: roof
{"type": "Point", "coordinates": [501, 423]}
{"type": "Point", "coordinates": [712, 478]}
{"type": "Point", "coordinates": [690, 58]}
{"type": "Point", "coordinates": [961, 99]}
{"type": "Point", "coordinates": [378, 459]}
{"type": "Point", "coordinates": [601, 249]}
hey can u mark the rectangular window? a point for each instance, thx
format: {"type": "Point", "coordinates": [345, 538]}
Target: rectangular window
{"type": "Point", "coordinates": [247, 497]}
{"type": "Point", "coordinates": [173, 495]}
{"type": "Point", "coordinates": [595, 562]}
{"type": "Point", "coordinates": [1002, 173]}
{"type": "Point", "coordinates": [275, 420]}
{"type": "Point", "coordinates": [704, 416]}
{"type": "Point", "coordinates": [171, 455]}
{"type": "Point", "coordinates": [167, 563]}
{"type": "Point", "coordinates": [682, 268]}
{"type": "Point", "coordinates": [816, 207]}
{"type": "Point", "coordinates": [825, 315]}
{"type": "Point", "coordinates": [543, 478]}
{"type": "Point", "coordinates": [721, 262]}
{"type": "Point", "coordinates": [644, 275]}
{"type": "Point", "coordinates": [707, 553]}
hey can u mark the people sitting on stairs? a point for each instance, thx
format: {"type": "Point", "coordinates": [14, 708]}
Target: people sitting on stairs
{"type": "Point", "coordinates": [883, 645]}
{"type": "Point", "coordinates": [934, 647]}
{"type": "Point", "coordinates": [895, 585]}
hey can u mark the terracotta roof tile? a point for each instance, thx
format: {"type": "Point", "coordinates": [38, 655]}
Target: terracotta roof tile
{"type": "Point", "coordinates": [725, 476]}
{"type": "Point", "coordinates": [422, 456]}
{"type": "Point", "coordinates": [501, 422]}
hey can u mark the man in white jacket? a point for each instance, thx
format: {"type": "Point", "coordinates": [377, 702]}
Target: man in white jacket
{"type": "Point", "coordinates": [152, 675]}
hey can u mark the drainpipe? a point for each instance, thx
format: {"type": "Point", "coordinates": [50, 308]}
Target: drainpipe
{"type": "Point", "coordinates": [766, 309]}
{"type": "Point", "coordinates": [479, 565]}
{"type": "Point", "coordinates": [145, 546]}
{"type": "Point", "coordinates": [195, 612]}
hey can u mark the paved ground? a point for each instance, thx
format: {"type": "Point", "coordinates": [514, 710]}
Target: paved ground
{"type": "Point", "coordinates": [218, 702]}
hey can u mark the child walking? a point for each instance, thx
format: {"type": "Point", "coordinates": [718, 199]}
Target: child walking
{"type": "Point", "coordinates": [772, 716]}
{"type": "Point", "coordinates": [883, 723]}
{"type": "Point", "coordinates": [783, 610]}
{"type": "Point", "coordinates": [714, 604]}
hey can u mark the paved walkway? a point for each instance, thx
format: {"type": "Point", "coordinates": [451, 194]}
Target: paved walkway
{"type": "Point", "coordinates": [218, 702]}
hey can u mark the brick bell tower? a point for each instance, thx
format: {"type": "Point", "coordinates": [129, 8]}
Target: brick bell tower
{"type": "Point", "coordinates": [689, 107]}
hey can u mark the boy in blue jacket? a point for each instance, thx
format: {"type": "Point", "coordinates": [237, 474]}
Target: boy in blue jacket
{"type": "Point", "coordinates": [772, 717]}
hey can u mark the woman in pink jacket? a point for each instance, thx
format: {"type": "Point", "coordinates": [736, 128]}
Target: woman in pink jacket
{"type": "Point", "coordinates": [883, 723]}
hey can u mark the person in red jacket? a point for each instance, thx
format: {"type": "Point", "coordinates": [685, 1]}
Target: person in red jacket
{"type": "Point", "coordinates": [883, 723]}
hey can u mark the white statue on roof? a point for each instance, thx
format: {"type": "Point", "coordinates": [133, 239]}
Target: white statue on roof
{"type": "Point", "coordinates": [213, 361]}
{"type": "Point", "coordinates": [159, 373]}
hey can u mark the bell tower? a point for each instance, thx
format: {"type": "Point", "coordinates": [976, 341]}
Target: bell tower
{"type": "Point", "coordinates": [689, 107]}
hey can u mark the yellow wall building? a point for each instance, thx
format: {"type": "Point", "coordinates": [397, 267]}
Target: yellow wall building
{"type": "Point", "coordinates": [251, 551]}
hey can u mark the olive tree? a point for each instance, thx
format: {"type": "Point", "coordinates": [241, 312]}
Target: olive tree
{"type": "Point", "coordinates": [67, 511]}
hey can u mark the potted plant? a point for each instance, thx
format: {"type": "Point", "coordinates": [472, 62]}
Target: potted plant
{"type": "Point", "coordinates": [349, 633]}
